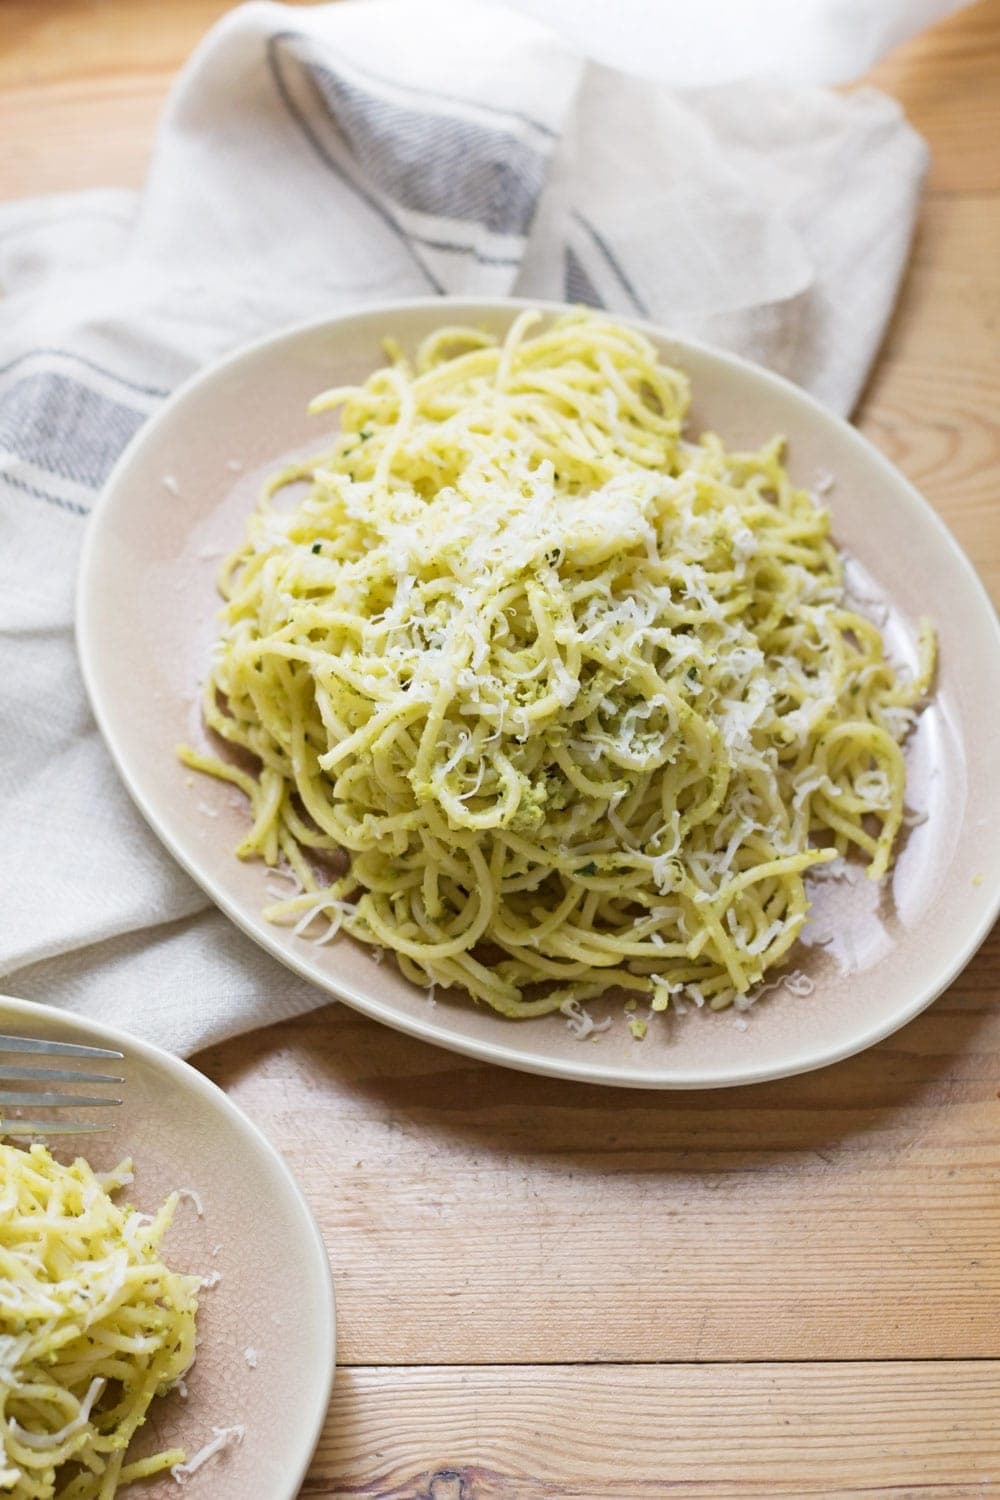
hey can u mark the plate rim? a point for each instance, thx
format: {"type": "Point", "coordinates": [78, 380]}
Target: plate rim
{"type": "Point", "coordinates": [426, 1030]}
{"type": "Point", "coordinates": [186, 1076]}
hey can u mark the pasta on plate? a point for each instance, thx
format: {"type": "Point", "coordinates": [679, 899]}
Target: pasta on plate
{"type": "Point", "coordinates": [543, 696]}
{"type": "Point", "coordinates": [93, 1326]}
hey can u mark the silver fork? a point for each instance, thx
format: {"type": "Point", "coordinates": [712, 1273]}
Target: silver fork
{"type": "Point", "coordinates": [46, 1098]}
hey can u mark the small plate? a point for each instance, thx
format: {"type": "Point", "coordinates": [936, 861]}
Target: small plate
{"type": "Point", "coordinates": [275, 1295]}
{"type": "Point", "coordinates": [179, 498]}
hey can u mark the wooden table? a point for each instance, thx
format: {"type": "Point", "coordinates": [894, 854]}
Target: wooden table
{"type": "Point", "coordinates": [551, 1290]}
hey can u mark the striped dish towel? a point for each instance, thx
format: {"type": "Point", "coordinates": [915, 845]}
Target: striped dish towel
{"type": "Point", "coordinates": [308, 161]}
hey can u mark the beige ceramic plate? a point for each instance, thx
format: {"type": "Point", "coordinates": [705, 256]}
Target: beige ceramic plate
{"type": "Point", "coordinates": [145, 622]}
{"type": "Point", "coordinates": [275, 1296]}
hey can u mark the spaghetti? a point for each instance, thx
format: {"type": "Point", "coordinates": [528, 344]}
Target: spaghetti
{"type": "Point", "coordinates": [94, 1325]}
{"type": "Point", "coordinates": [581, 700]}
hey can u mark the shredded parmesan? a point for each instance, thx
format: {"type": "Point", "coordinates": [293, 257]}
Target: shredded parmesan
{"type": "Point", "coordinates": [225, 1437]}
{"type": "Point", "coordinates": [87, 1308]}
{"type": "Point", "coordinates": [534, 660]}
{"type": "Point", "coordinates": [580, 1022]}
{"type": "Point", "coordinates": [193, 1198]}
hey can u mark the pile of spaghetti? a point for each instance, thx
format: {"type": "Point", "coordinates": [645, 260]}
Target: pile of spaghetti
{"type": "Point", "coordinates": [92, 1326]}
{"type": "Point", "coordinates": [581, 700]}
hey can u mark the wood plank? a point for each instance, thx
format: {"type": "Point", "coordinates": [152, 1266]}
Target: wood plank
{"type": "Point", "coordinates": [933, 402]}
{"type": "Point", "coordinates": [946, 79]}
{"type": "Point", "coordinates": [82, 83]}
{"type": "Point", "coordinates": [475, 1214]}
{"type": "Point", "coordinates": [64, 40]}
{"type": "Point", "coordinates": [479, 1215]}
{"type": "Point", "coordinates": [71, 136]}
{"type": "Point", "coordinates": [898, 1431]}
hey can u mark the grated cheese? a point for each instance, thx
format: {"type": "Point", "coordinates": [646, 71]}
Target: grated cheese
{"type": "Point", "coordinates": [534, 660]}
{"type": "Point", "coordinates": [89, 1306]}
{"type": "Point", "coordinates": [225, 1437]}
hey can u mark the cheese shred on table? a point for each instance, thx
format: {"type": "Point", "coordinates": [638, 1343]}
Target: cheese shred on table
{"type": "Point", "coordinates": [93, 1325]}
{"type": "Point", "coordinates": [581, 699]}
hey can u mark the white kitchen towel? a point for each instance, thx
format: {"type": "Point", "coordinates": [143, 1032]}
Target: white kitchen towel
{"type": "Point", "coordinates": [723, 41]}
{"type": "Point", "coordinates": [308, 161]}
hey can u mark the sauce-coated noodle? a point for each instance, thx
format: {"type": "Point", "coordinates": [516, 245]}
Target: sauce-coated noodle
{"type": "Point", "coordinates": [581, 699]}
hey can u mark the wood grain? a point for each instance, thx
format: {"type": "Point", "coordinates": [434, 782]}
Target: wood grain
{"type": "Point", "coordinates": [547, 1290]}
{"type": "Point", "coordinates": [902, 1431]}
{"type": "Point", "coordinates": [947, 82]}
{"type": "Point", "coordinates": [933, 401]}
{"type": "Point", "coordinates": [82, 83]}
{"type": "Point", "coordinates": [473, 1213]}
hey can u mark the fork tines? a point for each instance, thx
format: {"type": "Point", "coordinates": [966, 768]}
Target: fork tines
{"type": "Point", "coordinates": [46, 1098]}
{"type": "Point", "coordinates": [64, 1049]}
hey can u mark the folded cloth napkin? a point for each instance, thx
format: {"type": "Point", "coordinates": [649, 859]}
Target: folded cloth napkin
{"type": "Point", "coordinates": [720, 41]}
{"type": "Point", "coordinates": [308, 161]}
